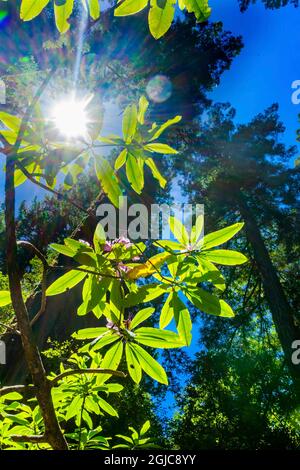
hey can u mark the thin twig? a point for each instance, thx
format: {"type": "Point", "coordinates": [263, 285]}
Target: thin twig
{"type": "Point", "coordinates": [44, 278]}
{"type": "Point", "coordinates": [47, 188]}
{"type": "Point", "coordinates": [11, 328]}
{"type": "Point", "coordinates": [14, 388]}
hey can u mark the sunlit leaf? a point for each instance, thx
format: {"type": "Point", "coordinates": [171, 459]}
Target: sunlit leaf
{"type": "Point", "coordinates": [63, 11]}
{"type": "Point", "coordinates": [156, 147]}
{"type": "Point", "coordinates": [5, 298]}
{"type": "Point", "coordinates": [65, 282]}
{"type": "Point", "coordinates": [200, 8]}
{"type": "Point", "coordinates": [183, 320]}
{"type": "Point", "coordinates": [141, 316]}
{"type": "Point", "coordinates": [121, 159]}
{"type": "Point", "coordinates": [106, 407]}
{"type": "Point", "coordinates": [226, 257]}
{"type": "Point", "coordinates": [155, 172]}
{"type": "Point", "coordinates": [167, 312]}
{"type": "Point", "coordinates": [111, 360]}
{"type": "Point", "coordinates": [32, 8]}
{"type": "Point", "coordinates": [134, 173]}
{"type": "Point", "coordinates": [89, 333]}
{"type": "Point", "coordinates": [145, 293]}
{"type": "Point", "coordinates": [160, 18]}
{"type": "Point", "coordinates": [108, 180]}
{"type": "Point", "coordinates": [130, 7]}
{"type": "Point", "coordinates": [129, 123]}
{"type": "Point", "coordinates": [133, 365]}
{"type": "Point", "coordinates": [165, 126]}
{"type": "Point", "coordinates": [208, 303]}
{"type": "Point", "coordinates": [150, 365]}
{"type": "Point", "coordinates": [221, 236]}
{"type": "Point", "coordinates": [179, 230]}
{"type": "Point", "coordinates": [143, 106]}
{"type": "Point", "coordinates": [94, 8]}
{"type": "Point", "coordinates": [156, 338]}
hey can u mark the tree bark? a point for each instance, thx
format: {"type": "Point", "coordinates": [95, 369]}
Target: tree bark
{"type": "Point", "coordinates": [53, 433]}
{"type": "Point", "coordinates": [282, 314]}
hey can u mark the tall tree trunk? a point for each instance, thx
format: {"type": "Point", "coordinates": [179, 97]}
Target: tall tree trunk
{"type": "Point", "coordinates": [53, 434]}
{"type": "Point", "coordinates": [281, 311]}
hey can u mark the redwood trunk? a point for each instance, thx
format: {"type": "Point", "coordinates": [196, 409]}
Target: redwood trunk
{"type": "Point", "coordinates": [279, 306]}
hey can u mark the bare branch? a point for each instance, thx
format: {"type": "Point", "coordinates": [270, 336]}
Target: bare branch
{"type": "Point", "coordinates": [34, 439]}
{"type": "Point", "coordinates": [47, 188]}
{"type": "Point", "coordinates": [10, 328]}
{"type": "Point", "coordinates": [15, 388]}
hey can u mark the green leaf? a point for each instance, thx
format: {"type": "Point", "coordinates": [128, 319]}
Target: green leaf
{"type": "Point", "coordinates": [108, 180]}
{"type": "Point", "coordinates": [145, 293]}
{"type": "Point", "coordinates": [221, 236]}
{"type": "Point", "coordinates": [197, 231]}
{"type": "Point", "coordinates": [99, 238]}
{"type": "Point", "coordinates": [208, 303]}
{"type": "Point", "coordinates": [121, 159]}
{"type": "Point", "coordinates": [32, 8]}
{"type": "Point", "coordinates": [155, 172]}
{"type": "Point", "coordinates": [62, 13]}
{"type": "Point", "coordinates": [200, 8]}
{"type": "Point", "coordinates": [106, 407]}
{"type": "Point", "coordinates": [12, 122]}
{"type": "Point", "coordinates": [226, 257]}
{"type": "Point", "coordinates": [130, 7]}
{"type": "Point", "coordinates": [94, 8]}
{"type": "Point", "coordinates": [164, 126]}
{"type": "Point", "coordinates": [65, 282]}
{"type": "Point", "coordinates": [105, 340]}
{"type": "Point", "coordinates": [77, 246]}
{"type": "Point", "coordinates": [134, 174]}
{"type": "Point", "coordinates": [167, 312]}
{"type": "Point", "coordinates": [150, 365]}
{"type": "Point", "coordinates": [64, 250]}
{"type": "Point", "coordinates": [209, 273]}
{"type": "Point", "coordinates": [91, 405]}
{"type": "Point", "coordinates": [141, 316]}
{"type": "Point", "coordinates": [183, 320]}
{"type": "Point", "coordinates": [73, 408]}
{"type": "Point", "coordinates": [143, 106]}
{"type": "Point", "coordinates": [160, 18]}
{"type": "Point", "coordinates": [129, 123]}
{"type": "Point", "coordinates": [133, 365]}
{"type": "Point", "coordinates": [145, 428]}
{"type": "Point", "coordinates": [156, 338]}
{"type": "Point", "coordinates": [160, 148]}
{"type": "Point", "coordinates": [179, 230]}
{"type": "Point", "coordinates": [5, 298]}
{"type": "Point", "coordinates": [111, 360]}
{"type": "Point", "coordinates": [89, 333]}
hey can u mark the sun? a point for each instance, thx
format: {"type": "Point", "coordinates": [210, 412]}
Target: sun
{"type": "Point", "coordinates": [70, 117]}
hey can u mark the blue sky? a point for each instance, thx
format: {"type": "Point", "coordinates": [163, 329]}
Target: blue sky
{"type": "Point", "coordinates": [269, 62]}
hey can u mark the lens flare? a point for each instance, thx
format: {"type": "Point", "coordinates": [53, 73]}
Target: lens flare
{"type": "Point", "coordinates": [159, 88]}
{"type": "Point", "coordinates": [70, 117]}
